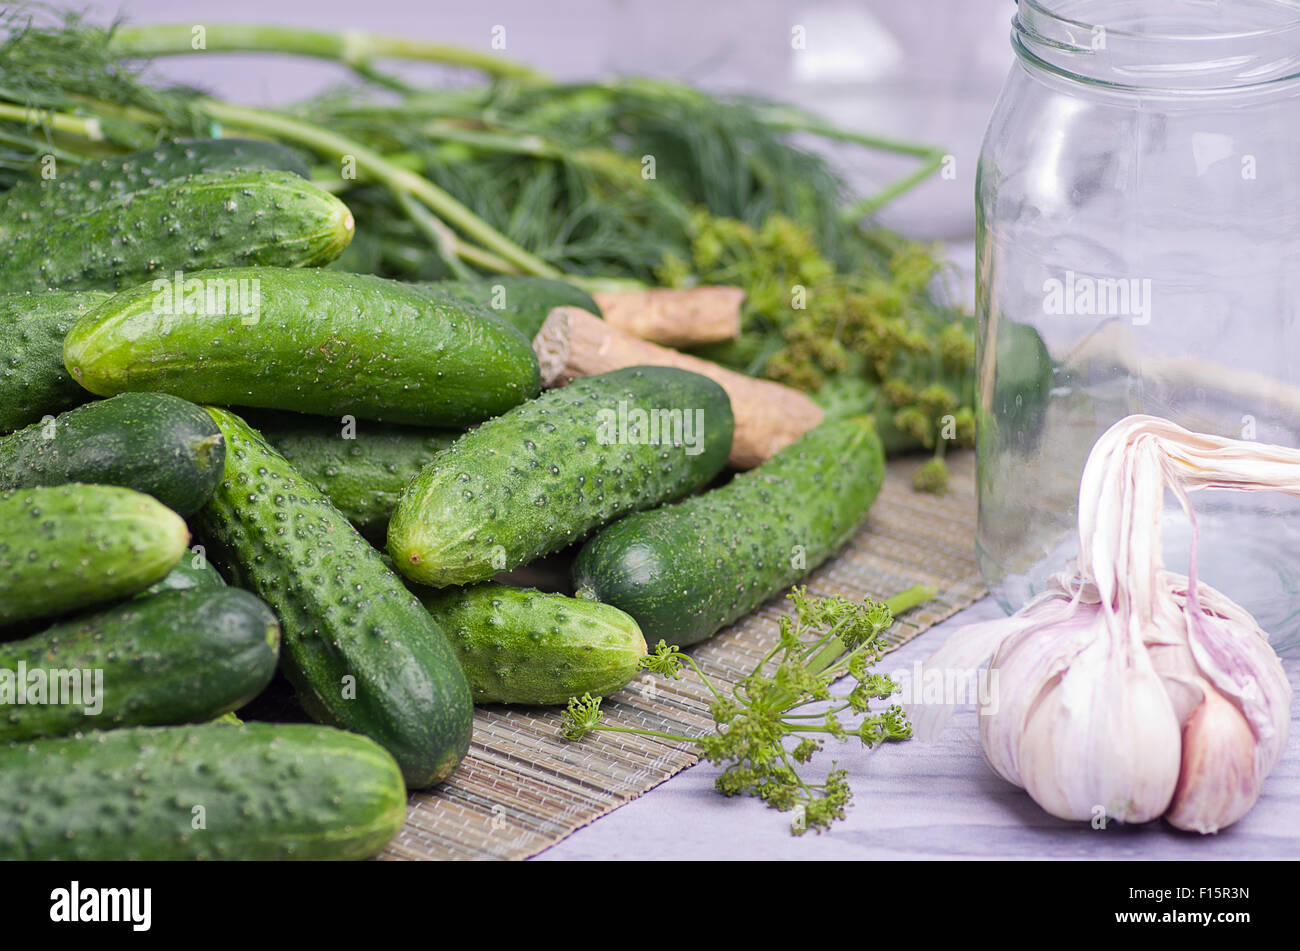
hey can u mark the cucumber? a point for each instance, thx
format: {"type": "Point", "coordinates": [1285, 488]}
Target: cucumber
{"type": "Point", "coordinates": [524, 301]}
{"type": "Point", "coordinates": [527, 646]}
{"type": "Point", "coordinates": [69, 546]}
{"type": "Point", "coordinates": [362, 466]}
{"type": "Point", "coordinates": [192, 571]}
{"type": "Point", "coordinates": [178, 657]}
{"type": "Point", "coordinates": [213, 791]}
{"type": "Point", "coordinates": [83, 187]}
{"type": "Point", "coordinates": [33, 382]}
{"type": "Point", "coordinates": [324, 342]}
{"type": "Point", "coordinates": [200, 221]}
{"type": "Point", "coordinates": [151, 442]}
{"type": "Point", "coordinates": [686, 570]}
{"type": "Point", "coordinates": [548, 472]}
{"type": "Point", "coordinates": [359, 648]}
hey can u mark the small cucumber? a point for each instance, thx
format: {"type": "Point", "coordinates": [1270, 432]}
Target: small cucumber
{"type": "Point", "coordinates": [548, 472]}
{"type": "Point", "coordinates": [200, 221]}
{"type": "Point", "coordinates": [686, 570]}
{"type": "Point", "coordinates": [151, 442]}
{"type": "Point", "coordinates": [362, 466]}
{"type": "Point", "coordinates": [33, 381]}
{"type": "Point", "coordinates": [178, 657]}
{"type": "Point", "coordinates": [527, 646]}
{"type": "Point", "coordinates": [192, 571]}
{"type": "Point", "coordinates": [359, 648]}
{"type": "Point", "coordinates": [84, 187]}
{"type": "Point", "coordinates": [324, 342]}
{"type": "Point", "coordinates": [69, 546]}
{"type": "Point", "coordinates": [263, 791]}
{"type": "Point", "coordinates": [524, 301]}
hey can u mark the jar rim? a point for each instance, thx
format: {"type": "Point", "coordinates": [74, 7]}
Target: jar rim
{"type": "Point", "coordinates": [1104, 49]}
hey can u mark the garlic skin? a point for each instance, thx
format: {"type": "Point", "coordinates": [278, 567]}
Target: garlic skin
{"type": "Point", "coordinates": [1126, 689]}
{"type": "Point", "coordinates": [1221, 776]}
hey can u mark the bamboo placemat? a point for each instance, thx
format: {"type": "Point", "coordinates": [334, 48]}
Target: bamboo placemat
{"type": "Point", "coordinates": [523, 788]}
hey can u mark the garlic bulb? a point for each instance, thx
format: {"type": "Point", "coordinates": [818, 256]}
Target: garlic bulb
{"type": "Point", "coordinates": [1126, 691]}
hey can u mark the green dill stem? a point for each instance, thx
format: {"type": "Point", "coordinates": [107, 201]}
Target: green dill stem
{"type": "Point", "coordinates": [354, 48]}
{"type": "Point", "coordinates": [873, 203]}
{"type": "Point", "coordinates": [903, 601]}
{"type": "Point", "coordinates": [395, 178]}
{"type": "Point", "coordinates": [85, 127]}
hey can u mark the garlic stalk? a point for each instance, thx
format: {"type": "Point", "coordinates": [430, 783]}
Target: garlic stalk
{"type": "Point", "coordinates": [1126, 690]}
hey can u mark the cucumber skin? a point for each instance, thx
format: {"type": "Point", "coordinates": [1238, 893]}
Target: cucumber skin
{"type": "Point", "coordinates": [69, 546]}
{"type": "Point", "coordinates": [87, 186]}
{"type": "Point", "coordinates": [33, 381]}
{"type": "Point", "coordinates": [342, 611]}
{"type": "Point", "coordinates": [186, 576]}
{"type": "Point", "coordinates": [200, 221]}
{"type": "Point", "coordinates": [178, 657]}
{"type": "Point", "coordinates": [363, 476]}
{"type": "Point", "coordinates": [684, 571]}
{"type": "Point", "coordinates": [537, 478]}
{"type": "Point", "coordinates": [527, 299]}
{"type": "Point", "coordinates": [154, 443]}
{"type": "Point", "coordinates": [325, 342]}
{"type": "Point", "coordinates": [268, 791]}
{"type": "Point", "coordinates": [530, 647]}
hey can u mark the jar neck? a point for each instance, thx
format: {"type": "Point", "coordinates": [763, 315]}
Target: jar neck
{"type": "Point", "coordinates": [1193, 46]}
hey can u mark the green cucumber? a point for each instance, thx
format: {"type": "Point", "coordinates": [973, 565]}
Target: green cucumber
{"type": "Point", "coordinates": [193, 571]}
{"type": "Point", "coordinates": [151, 442]}
{"type": "Point", "coordinates": [65, 547]}
{"type": "Point", "coordinates": [548, 472]}
{"type": "Point", "coordinates": [526, 646]}
{"type": "Point", "coordinates": [212, 791]}
{"type": "Point", "coordinates": [178, 657]}
{"type": "Point", "coordinates": [524, 301]}
{"type": "Point", "coordinates": [33, 381]}
{"type": "Point", "coordinates": [686, 570]}
{"type": "Point", "coordinates": [359, 648]}
{"type": "Point", "coordinates": [362, 466]}
{"type": "Point", "coordinates": [83, 187]}
{"type": "Point", "coordinates": [324, 342]}
{"type": "Point", "coordinates": [200, 221]}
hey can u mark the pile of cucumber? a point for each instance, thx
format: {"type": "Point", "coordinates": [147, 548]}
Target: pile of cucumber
{"type": "Point", "coordinates": [325, 485]}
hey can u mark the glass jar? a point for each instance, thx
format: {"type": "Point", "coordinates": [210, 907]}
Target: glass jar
{"type": "Point", "coordinates": [1138, 251]}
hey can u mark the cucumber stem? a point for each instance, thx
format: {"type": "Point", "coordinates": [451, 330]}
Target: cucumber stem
{"type": "Point", "coordinates": [353, 48]}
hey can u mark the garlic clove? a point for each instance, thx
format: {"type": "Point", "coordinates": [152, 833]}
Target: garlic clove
{"type": "Point", "coordinates": [1221, 773]}
{"type": "Point", "coordinates": [1104, 740]}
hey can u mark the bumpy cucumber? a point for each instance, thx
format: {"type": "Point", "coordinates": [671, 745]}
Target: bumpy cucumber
{"type": "Point", "coordinates": [69, 546]}
{"type": "Point", "coordinates": [359, 648]}
{"type": "Point", "coordinates": [192, 571]}
{"type": "Point", "coordinates": [526, 646]}
{"type": "Point", "coordinates": [524, 301]}
{"type": "Point", "coordinates": [214, 791]}
{"type": "Point", "coordinates": [178, 657]}
{"type": "Point", "coordinates": [200, 221]}
{"type": "Point", "coordinates": [686, 570]}
{"type": "Point", "coordinates": [362, 466]}
{"type": "Point", "coordinates": [33, 381]}
{"type": "Point", "coordinates": [82, 187]}
{"type": "Point", "coordinates": [321, 341]}
{"type": "Point", "coordinates": [548, 472]}
{"type": "Point", "coordinates": [150, 442]}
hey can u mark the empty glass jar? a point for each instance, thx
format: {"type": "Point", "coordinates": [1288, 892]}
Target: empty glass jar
{"type": "Point", "coordinates": [1139, 252]}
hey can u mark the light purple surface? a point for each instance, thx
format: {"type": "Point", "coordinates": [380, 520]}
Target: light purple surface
{"type": "Point", "coordinates": [918, 800]}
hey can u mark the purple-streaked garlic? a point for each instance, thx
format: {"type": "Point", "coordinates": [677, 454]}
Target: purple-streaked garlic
{"type": "Point", "coordinates": [1126, 691]}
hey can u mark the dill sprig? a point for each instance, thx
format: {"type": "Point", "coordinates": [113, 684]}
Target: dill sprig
{"type": "Point", "coordinates": [763, 730]}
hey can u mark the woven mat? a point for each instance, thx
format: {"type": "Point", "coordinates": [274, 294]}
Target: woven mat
{"type": "Point", "coordinates": [522, 788]}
